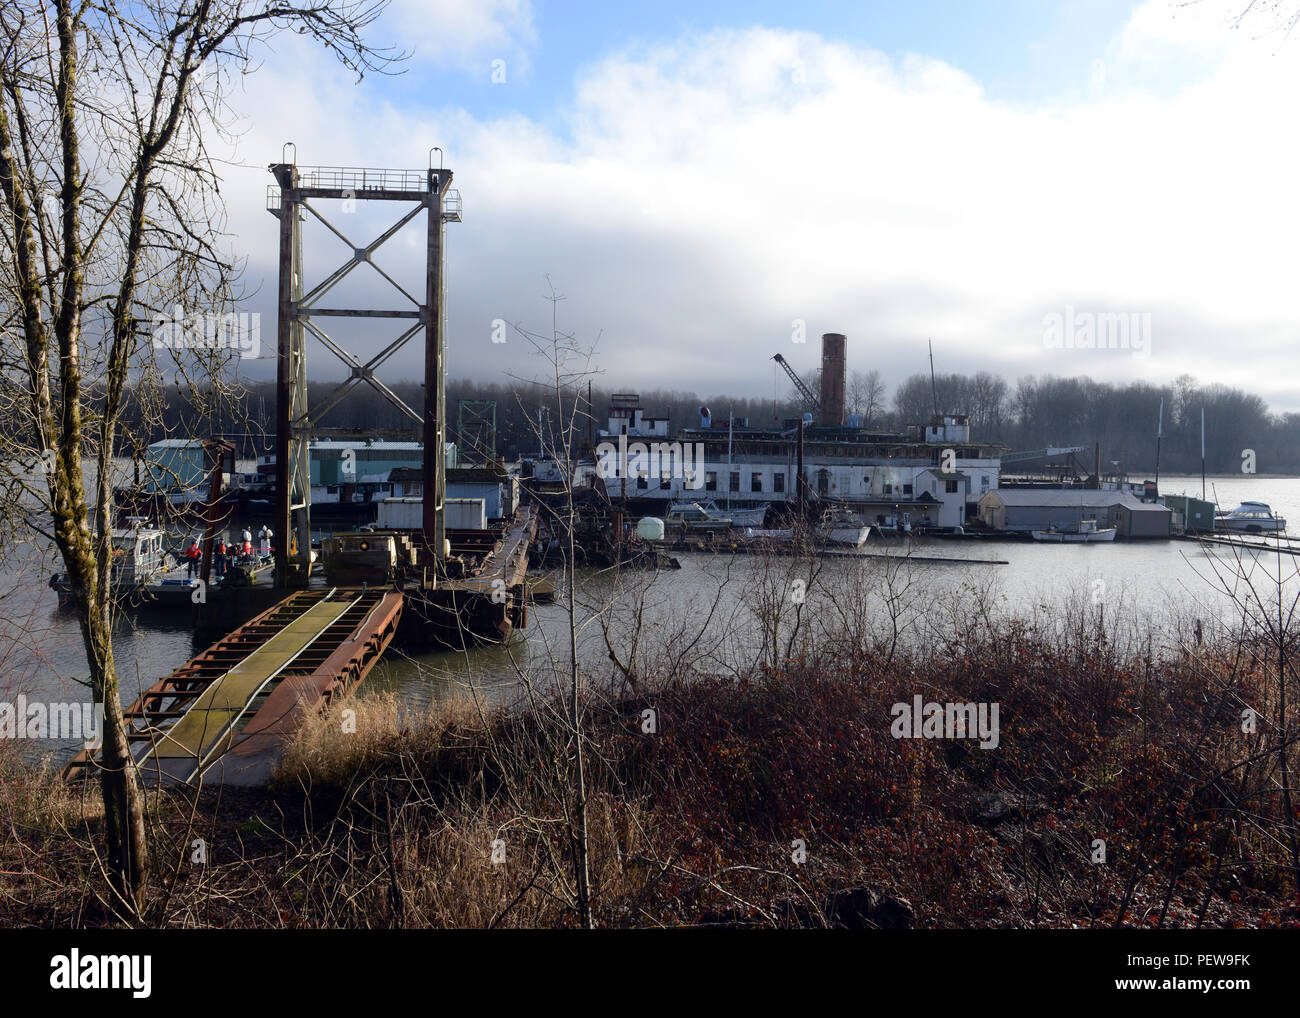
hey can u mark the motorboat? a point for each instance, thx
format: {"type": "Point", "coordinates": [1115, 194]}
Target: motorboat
{"type": "Point", "coordinates": [1087, 533]}
{"type": "Point", "coordinates": [695, 517]}
{"type": "Point", "coordinates": [1250, 518]}
{"type": "Point", "coordinates": [750, 516]}
{"type": "Point", "coordinates": [139, 562]}
{"type": "Point", "coordinates": [845, 528]}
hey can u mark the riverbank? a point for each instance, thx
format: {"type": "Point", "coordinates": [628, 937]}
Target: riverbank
{"type": "Point", "coordinates": [1099, 783]}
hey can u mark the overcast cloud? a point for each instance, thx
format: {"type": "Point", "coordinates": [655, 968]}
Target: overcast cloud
{"type": "Point", "coordinates": [696, 195]}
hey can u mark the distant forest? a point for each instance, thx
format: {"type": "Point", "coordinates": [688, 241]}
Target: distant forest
{"type": "Point", "coordinates": [1032, 413]}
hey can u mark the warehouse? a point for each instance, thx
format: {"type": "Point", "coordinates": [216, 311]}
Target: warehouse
{"type": "Point", "coordinates": [1021, 510]}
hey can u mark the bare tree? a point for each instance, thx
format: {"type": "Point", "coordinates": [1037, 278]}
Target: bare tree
{"type": "Point", "coordinates": [113, 214]}
{"type": "Point", "coordinates": [866, 395]}
{"type": "Point", "coordinates": [569, 362]}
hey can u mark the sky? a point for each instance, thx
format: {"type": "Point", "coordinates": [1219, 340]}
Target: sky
{"type": "Point", "coordinates": [707, 184]}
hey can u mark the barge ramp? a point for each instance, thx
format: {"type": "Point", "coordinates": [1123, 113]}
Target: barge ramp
{"type": "Point", "coordinates": [223, 716]}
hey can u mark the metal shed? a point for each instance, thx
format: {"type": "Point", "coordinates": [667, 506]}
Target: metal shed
{"type": "Point", "coordinates": [1024, 509]}
{"type": "Point", "coordinates": [1197, 514]}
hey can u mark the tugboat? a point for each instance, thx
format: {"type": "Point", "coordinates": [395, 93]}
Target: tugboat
{"type": "Point", "coordinates": [1250, 518]}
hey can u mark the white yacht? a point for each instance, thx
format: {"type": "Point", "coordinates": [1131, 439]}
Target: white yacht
{"type": "Point", "coordinates": [696, 517]}
{"type": "Point", "coordinates": [750, 516]}
{"type": "Point", "coordinates": [1250, 518]}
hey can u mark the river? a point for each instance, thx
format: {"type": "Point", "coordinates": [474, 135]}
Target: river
{"type": "Point", "coordinates": [41, 653]}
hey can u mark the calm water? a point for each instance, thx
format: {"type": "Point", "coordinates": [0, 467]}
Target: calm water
{"type": "Point", "coordinates": [705, 604]}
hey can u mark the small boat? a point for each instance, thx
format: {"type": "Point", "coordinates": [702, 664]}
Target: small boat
{"type": "Point", "coordinates": [844, 528]}
{"type": "Point", "coordinates": [836, 527]}
{"type": "Point", "coordinates": [695, 517]}
{"type": "Point", "coordinates": [139, 563]}
{"type": "Point", "coordinates": [750, 516]}
{"type": "Point", "coordinates": [1250, 518]}
{"type": "Point", "coordinates": [1087, 533]}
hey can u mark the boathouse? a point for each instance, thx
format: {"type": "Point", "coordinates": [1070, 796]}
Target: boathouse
{"type": "Point", "coordinates": [1020, 510]}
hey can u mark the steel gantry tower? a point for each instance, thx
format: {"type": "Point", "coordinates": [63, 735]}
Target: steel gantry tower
{"type": "Point", "coordinates": [290, 200]}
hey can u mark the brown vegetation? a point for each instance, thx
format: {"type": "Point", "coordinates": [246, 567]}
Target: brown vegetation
{"type": "Point", "coordinates": [396, 825]}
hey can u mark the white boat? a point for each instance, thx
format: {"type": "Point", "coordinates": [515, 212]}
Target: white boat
{"type": "Point", "coordinates": [139, 563]}
{"type": "Point", "coordinates": [839, 526]}
{"type": "Point", "coordinates": [846, 535]}
{"type": "Point", "coordinates": [1087, 533]}
{"type": "Point", "coordinates": [695, 517]}
{"type": "Point", "coordinates": [1250, 518]}
{"type": "Point", "coordinates": [752, 516]}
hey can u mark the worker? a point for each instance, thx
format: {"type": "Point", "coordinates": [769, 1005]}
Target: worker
{"type": "Point", "coordinates": [192, 556]}
{"type": "Point", "coordinates": [264, 544]}
{"type": "Point", "coordinates": [219, 557]}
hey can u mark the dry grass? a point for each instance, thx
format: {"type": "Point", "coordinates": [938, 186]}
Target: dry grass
{"type": "Point", "coordinates": [361, 733]}
{"type": "Point", "coordinates": [395, 816]}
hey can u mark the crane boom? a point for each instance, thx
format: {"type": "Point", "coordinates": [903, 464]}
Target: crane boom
{"type": "Point", "coordinates": [812, 402]}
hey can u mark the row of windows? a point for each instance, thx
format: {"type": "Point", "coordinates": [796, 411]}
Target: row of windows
{"type": "Point", "coordinates": [778, 483]}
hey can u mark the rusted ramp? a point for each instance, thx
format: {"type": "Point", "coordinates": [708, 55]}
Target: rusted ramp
{"type": "Point", "coordinates": [224, 716]}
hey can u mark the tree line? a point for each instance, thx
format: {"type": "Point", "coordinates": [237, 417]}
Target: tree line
{"type": "Point", "coordinates": [1034, 412]}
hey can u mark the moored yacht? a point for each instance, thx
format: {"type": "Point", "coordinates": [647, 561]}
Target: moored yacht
{"type": "Point", "coordinates": [1250, 518]}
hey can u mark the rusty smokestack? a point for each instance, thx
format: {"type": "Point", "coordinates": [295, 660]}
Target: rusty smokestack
{"type": "Point", "coordinates": [834, 362]}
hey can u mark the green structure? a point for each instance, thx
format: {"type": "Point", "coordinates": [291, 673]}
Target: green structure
{"type": "Point", "coordinates": [1197, 514]}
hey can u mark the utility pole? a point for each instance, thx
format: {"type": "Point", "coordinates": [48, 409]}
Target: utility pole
{"type": "Point", "coordinates": [801, 487]}
{"type": "Point", "coordinates": [1202, 454]}
{"type": "Point", "coordinates": [1160, 433]}
{"type": "Point", "coordinates": [934, 389]}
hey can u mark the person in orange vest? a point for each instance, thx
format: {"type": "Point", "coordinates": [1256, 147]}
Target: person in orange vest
{"type": "Point", "coordinates": [192, 556]}
{"type": "Point", "coordinates": [219, 558]}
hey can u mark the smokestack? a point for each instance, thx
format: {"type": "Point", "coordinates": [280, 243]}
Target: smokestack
{"type": "Point", "coordinates": [834, 359]}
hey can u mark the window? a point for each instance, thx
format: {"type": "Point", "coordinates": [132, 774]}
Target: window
{"type": "Point", "coordinates": [889, 489]}
{"type": "Point", "coordinates": [642, 483]}
{"type": "Point", "coordinates": [711, 481]}
{"type": "Point", "coordinates": [907, 489]}
{"type": "Point", "coordinates": [735, 481]}
{"type": "Point", "coordinates": [665, 480]}
{"type": "Point", "coordinates": [756, 482]}
{"type": "Point", "coordinates": [950, 487]}
{"type": "Point", "coordinates": [778, 481]}
{"type": "Point", "coordinates": [332, 489]}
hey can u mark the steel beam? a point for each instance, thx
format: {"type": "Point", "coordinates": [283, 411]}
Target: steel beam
{"type": "Point", "coordinates": [435, 413]}
{"type": "Point", "coordinates": [429, 192]}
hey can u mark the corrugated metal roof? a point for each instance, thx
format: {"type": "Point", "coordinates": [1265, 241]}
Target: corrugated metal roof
{"type": "Point", "coordinates": [1073, 498]}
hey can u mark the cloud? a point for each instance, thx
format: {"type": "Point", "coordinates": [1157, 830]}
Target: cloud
{"type": "Point", "coordinates": [464, 32]}
{"type": "Point", "coordinates": [700, 194]}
